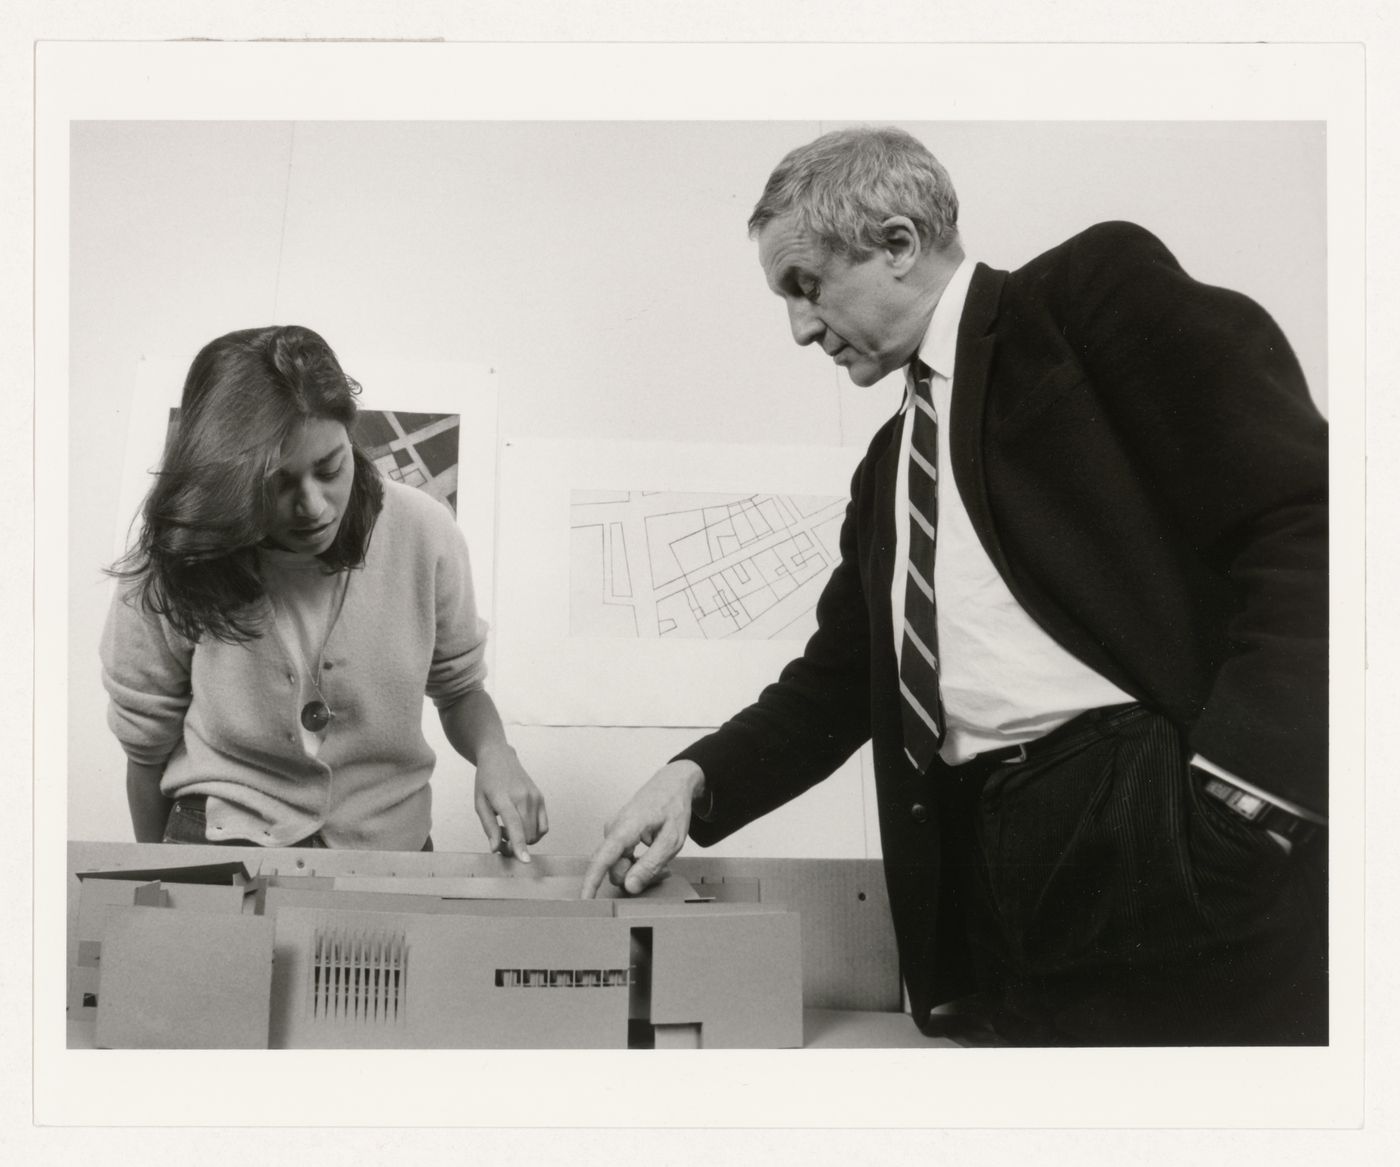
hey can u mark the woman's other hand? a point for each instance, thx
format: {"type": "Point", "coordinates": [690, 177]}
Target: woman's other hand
{"type": "Point", "coordinates": [508, 803]}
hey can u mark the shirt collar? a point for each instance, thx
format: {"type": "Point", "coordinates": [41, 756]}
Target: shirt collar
{"type": "Point", "coordinates": [940, 343]}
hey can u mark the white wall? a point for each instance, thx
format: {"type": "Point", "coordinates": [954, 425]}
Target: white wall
{"type": "Point", "coordinates": [603, 270]}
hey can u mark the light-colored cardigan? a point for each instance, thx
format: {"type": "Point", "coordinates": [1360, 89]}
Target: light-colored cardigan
{"type": "Point", "coordinates": [224, 718]}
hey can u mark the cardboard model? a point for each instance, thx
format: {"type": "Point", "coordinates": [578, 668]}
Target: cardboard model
{"type": "Point", "coordinates": [312, 962]}
{"type": "Point", "coordinates": [184, 980]}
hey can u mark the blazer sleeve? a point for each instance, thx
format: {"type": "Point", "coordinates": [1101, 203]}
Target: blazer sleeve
{"type": "Point", "coordinates": [806, 724]}
{"type": "Point", "coordinates": [1225, 432]}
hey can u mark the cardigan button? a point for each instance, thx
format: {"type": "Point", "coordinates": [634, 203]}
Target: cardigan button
{"type": "Point", "coordinates": [919, 812]}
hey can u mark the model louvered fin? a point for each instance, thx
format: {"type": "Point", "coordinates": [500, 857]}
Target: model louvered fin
{"type": "Point", "coordinates": [358, 976]}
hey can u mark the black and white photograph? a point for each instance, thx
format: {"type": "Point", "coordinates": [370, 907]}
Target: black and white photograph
{"type": "Point", "coordinates": [869, 583]}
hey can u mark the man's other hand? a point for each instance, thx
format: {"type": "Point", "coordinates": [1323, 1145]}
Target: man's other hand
{"type": "Point", "coordinates": [645, 834]}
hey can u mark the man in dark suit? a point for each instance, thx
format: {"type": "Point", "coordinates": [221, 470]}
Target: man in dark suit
{"type": "Point", "coordinates": [1081, 613]}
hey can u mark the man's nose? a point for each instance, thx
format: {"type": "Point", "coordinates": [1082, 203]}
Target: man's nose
{"type": "Point", "coordinates": [806, 327]}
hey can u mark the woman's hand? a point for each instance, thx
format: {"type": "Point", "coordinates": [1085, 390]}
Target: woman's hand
{"type": "Point", "coordinates": [508, 803]}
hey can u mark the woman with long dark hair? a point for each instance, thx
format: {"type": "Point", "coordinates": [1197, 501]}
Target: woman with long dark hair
{"type": "Point", "coordinates": [280, 618]}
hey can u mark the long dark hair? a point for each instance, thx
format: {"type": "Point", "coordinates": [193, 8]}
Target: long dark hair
{"type": "Point", "coordinates": [195, 561]}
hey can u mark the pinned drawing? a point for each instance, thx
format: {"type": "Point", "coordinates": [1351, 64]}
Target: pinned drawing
{"type": "Point", "coordinates": [417, 449]}
{"type": "Point", "coordinates": [656, 583]}
{"type": "Point", "coordinates": [663, 564]}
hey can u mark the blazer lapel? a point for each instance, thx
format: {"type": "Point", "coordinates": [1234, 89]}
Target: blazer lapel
{"type": "Point", "coordinates": [878, 507]}
{"type": "Point", "coordinates": [971, 377]}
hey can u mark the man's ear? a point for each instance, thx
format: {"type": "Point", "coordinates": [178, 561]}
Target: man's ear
{"type": "Point", "coordinates": [902, 244]}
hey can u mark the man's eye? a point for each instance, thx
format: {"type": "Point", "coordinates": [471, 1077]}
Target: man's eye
{"type": "Point", "coordinates": [811, 290]}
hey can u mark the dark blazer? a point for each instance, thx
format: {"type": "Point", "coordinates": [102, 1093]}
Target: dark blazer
{"type": "Point", "coordinates": [1140, 457]}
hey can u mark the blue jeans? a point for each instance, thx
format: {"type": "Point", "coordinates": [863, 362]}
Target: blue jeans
{"type": "Point", "coordinates": [187, 824]}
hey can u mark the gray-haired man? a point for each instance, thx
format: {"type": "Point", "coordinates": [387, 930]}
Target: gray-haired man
{"type": "Point", "coordinates": [1081, 614]}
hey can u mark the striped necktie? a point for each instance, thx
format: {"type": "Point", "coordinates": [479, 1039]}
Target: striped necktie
{"type": "Point", "coordinates": [918, 658]}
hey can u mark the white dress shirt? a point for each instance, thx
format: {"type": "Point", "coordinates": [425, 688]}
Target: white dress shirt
{"type": "Point", "coordinates": [1004, 680]}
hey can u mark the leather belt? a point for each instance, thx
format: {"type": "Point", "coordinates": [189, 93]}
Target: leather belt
{"type": "Point", "coordinates": [1090, 724]}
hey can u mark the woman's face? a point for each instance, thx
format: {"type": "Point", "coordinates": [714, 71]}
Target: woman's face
{"type": "Point", "coordinates": [311, 487]}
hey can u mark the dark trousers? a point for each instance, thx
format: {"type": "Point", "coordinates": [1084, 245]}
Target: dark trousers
{"type": "Point", "coordinates": [1108, 900]}
{"type": "Point", "coordinates": [187, 823]}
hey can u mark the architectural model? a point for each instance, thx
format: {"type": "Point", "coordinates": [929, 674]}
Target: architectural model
{"type": "Point", "coordinates": [288, 961]}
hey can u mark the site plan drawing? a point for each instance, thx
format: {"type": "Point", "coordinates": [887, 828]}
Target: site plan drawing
{"type": "Point", "coordinates": [673, 565]}
{"type": "Point", "coordinates": [658, 583]}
